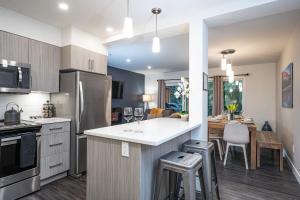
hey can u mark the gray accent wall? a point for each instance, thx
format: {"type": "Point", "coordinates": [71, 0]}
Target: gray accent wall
{"type": "Point", "coordinates": [134, 87]}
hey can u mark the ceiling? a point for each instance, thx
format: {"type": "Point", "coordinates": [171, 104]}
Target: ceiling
{"type": "Point", "coordinates": [255, 41]}
{"type": "Point", "coordinates": [94, 16]}
{"type": "Point", "coordinates": [174, 55]}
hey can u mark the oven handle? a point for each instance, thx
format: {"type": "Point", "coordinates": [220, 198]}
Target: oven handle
{"type": "Point", "coordinates": [12, 140]}
{"type": "Point", "coordinates": [9, 141]}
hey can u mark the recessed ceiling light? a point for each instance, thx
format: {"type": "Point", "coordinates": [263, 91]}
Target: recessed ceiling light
{"type": "Point", "coordinates": [128, 60]}
{"type": "Point", "coordinates": [149, 67]}
{"type": "Point", "coordinates": [109, 29]}
{"type": "Point", "coordinates": [63, 6]}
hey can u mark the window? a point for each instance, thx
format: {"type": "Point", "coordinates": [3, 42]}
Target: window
{"type": "Point", "coordinates": [171, 100]}
{"type": "Point", "coordinates": [210, 96]}
{"type": "Point", "coordinates": [233, 93]}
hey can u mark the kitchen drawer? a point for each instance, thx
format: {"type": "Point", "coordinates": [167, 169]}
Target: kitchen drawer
{"type": "Point", "coordinates": [55, 128]}
{"type": "Point", "coordinates": [55, 164]}
{"type": "Point", "coordinates": [55, 143]}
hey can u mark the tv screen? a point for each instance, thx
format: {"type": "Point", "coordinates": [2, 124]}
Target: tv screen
{"type": "Point", "coordinates": [117, 89]}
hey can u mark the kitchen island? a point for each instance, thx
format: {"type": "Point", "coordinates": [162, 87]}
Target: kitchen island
{"type": "Point", "coordinates": [122, 159]}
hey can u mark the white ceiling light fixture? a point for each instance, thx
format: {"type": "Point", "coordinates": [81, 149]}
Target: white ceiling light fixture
{"type": "Point", "coordinates": [128, 23]}
{"type": "Point", "coordinates": [225, 62]}
{"type": "Point", "coordinates": [149, 67]}
{"type": "Point", "coordinates": [156, 40]}
{"type": "Point", "coordinates": [231, 77]}
{"type": "Point", "coordinates": [63, 6]}
{"type": "Point", "coordinates": [128, 60]}
{"type": "Point", "coordinates": [228, 69]}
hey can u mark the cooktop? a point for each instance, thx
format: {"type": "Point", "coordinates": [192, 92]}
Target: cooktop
{"type": "Point", "coordinates": [22, 127]}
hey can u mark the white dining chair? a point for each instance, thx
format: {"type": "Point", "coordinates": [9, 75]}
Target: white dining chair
{"type": "Point", "coordinates": [217, 136]}
{"type": "Point", "coordinates": [236, 135]}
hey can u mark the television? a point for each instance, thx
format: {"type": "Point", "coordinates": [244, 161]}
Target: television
{"type": "Point", "coordinates": [117, 89]}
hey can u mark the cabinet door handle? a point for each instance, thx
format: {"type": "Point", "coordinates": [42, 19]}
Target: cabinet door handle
{"type": "Point", "coordinates": [89, 64]}
{"type": "Point", "coordinates": [55, 129]}
{"type": "Point", "coordinates": [56, 144]}
{"type": "Point", "coordinates": [56, 165]}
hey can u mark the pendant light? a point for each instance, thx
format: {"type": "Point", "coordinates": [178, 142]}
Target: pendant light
{"type": "Point", "coordinates": [156, 40]}
{"type": "Point", "coordinates": [231, 77]}
{"type": "Point", "coordinates": [228, 69]}
{"type": "Point", "coordinates": [223, 63]}
{"type": "Point", "coordinates": [128, 24]}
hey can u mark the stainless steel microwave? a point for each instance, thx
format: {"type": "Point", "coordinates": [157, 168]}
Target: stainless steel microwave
{"type": "Point", "coordinates": [14, 77]}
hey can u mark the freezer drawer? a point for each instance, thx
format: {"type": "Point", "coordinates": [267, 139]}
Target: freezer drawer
{"type": "Point", "coordinates": [81, 153]}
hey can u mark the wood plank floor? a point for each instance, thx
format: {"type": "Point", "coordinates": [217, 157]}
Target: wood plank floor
{"type": "Point", "coordinates": [266, 183]}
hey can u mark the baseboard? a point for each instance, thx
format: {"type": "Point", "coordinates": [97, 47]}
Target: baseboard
{"type": "Point", "coordinates": [53, 178]}
{"type": "Point", "coordinates": [292, 166]}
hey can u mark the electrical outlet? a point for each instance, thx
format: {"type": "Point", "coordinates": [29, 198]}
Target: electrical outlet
{"type": "Point", "coordinates": [125, 149]}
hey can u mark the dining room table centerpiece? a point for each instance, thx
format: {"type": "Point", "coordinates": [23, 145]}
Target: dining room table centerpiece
{"type": "Point", "coordinates": [231, 108]}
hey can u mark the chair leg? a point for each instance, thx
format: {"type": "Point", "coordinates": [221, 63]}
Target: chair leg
{"type": "Point", "coordinates": [189, 185]}
{"type": "Point", "coordinates": [245, 156]}
{"type": "Point", "coordinates": [172, 185]}
{"type": "Point", "coordinates": [216, 184]}
{"type": "Point", "coordinates": [258, 156]}
{"type": "Point", "coordinates": [202, 186]}
{"type": "Point", "coordinates": [220, 148]}
{"type": "Point", "coordinates": [281, 160]}
{"type": "Point", "coordinates": [227, 148]}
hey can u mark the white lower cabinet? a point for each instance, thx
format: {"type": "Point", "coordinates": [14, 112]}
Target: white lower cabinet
{"type": "Point", "coordinates": [55, 150]}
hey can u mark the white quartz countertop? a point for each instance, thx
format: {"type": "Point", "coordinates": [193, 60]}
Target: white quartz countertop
{"type": "Point", "coordinates": [149, 132]}
{"type": "Point", "coordinates": [48, 120]}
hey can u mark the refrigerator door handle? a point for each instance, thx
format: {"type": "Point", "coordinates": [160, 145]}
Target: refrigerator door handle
{"type": "Point", "coordinates": [81, 99]}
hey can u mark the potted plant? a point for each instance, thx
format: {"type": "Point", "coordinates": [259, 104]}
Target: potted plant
{"type": "Point", "coordinates": [184, 115]}
{"type": "Point", "coordinates": [232, 108]}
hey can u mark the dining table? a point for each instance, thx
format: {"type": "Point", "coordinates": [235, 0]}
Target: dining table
{"type": "Point", "coordinates": [220, 125]}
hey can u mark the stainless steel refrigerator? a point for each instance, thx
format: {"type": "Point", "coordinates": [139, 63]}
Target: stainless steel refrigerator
{"type": "Point", "coordinates": [85, 98]}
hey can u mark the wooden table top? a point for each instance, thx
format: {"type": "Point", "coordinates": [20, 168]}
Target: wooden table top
{"type": "Point", "coordinates": [222, 123]}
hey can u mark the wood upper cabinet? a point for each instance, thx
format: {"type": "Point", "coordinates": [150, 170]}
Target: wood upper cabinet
{"type": "Point", "coordinates": [74, 57]}
{"type": "Point", "coordinates": [13, 47]}
{"type": "Point", "coordinates": [45, 63]}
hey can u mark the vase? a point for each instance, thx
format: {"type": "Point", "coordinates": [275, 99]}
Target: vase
{"type": "Point", "coordinates": [267, 127]}
{"type": "Point", "coordinates": [231, 116]}
{"type": "Point", "coordinates": [185, 117]}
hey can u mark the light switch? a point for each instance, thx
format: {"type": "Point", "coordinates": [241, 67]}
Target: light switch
{"type": "Point", "coordinates": [125, 149]}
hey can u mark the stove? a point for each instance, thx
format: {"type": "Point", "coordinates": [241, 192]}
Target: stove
{"type": "Point", "coordinates": [22, 127]}
{"type": "Point", "coordinates": [14, 150]}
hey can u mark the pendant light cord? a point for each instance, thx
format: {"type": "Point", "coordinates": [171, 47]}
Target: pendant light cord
{"type": "Point", "coordinates": [156, 24]}
{"type": "Point", "coordinates": [127, 8]}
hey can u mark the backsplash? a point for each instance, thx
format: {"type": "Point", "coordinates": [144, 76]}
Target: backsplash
{"type": "Point", "coordinates": [31, 104]}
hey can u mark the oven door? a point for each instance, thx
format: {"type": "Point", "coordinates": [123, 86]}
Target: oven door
{"type": "Point", "coordinates": [10, 170]}
{"type": "Point", "coordinates": [9, 78]}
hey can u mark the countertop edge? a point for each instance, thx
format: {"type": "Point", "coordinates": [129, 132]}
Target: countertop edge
{"type": "Point", "coordinates": [125, 139]}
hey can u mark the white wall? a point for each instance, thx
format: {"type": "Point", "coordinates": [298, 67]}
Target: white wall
{"type": "Point", "coordinates": [260, 91]}
{"type": "Point", "coordinates": [19, 24]}
{"type": "Point", "coordinates": [288, 118]}
{"type": "Point", "coordinates": [75, 36]}
{"type": "Point", "coordinates": [31, 104]}
{"type": "Point", "coordinates": [151, 86]}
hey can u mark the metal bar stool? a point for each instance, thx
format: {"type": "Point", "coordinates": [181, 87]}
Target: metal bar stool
{"type": "Point", "coordinates": [207, 150]}
{"type": "Point", "coordinates": [185, 165]}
